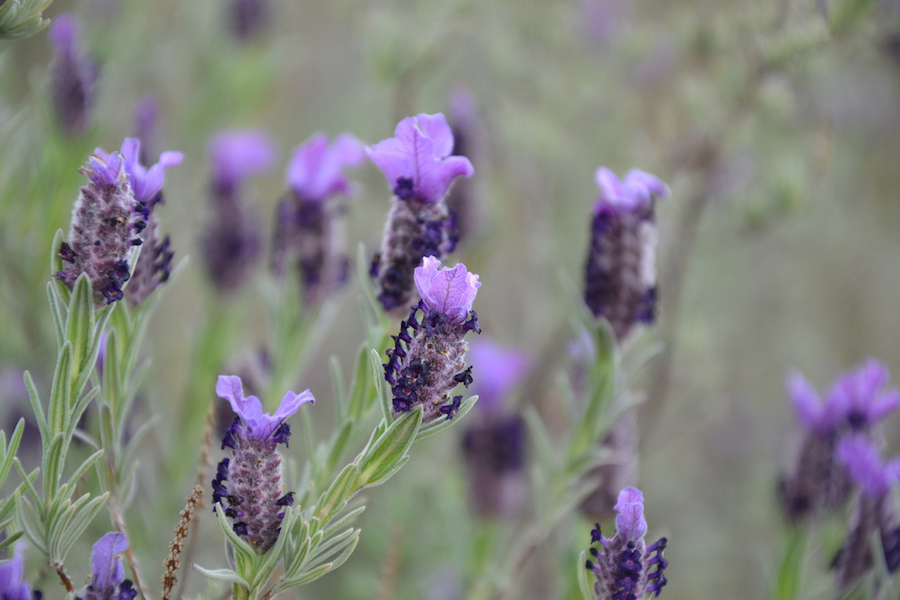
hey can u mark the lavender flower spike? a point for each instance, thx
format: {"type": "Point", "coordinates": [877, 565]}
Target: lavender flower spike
{"type": "Point", "coordinates": [12, 573]}
{"type": "Point", "coordinates": [107, 573]}
{"type": "Point", "coordinates": [231, 244]}
{"type": "Point", "coordinates": [107, 223]}
{"type": "Point", "coordinates": [308, 227]}
{"type": "Point", "coordinates": [620, 273]}
{"type": "Point", "coordinates": [626, 568]}
{"type": "Point", "coordinates": [253, 497]}
{"type": "Point", "coordinates": [428, 358]}
{"type": "Point", "coordinates": [72, 76]}
{"type": "Point", "coordinates": [419, 170]}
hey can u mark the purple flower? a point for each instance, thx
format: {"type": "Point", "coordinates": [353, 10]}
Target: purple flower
{"type": "Point", "coordinates": [494, 450]}
{"type": "Point", "coordinates": [257, 424]}
{"type": "Point", "coordinates": [620, 272]}
{"type": "Point", "coordinates": [863, 463]}
{"type": "Point", "coordinates": [462, 200]}
{"type": "Point", "coordinates": [238, 154]}
{"type": "Point", "coordinates": [447, 291]}
{"type": "Point", "coordinates": [499, 370]}
{"type": "Point", "coordinates": [107, 573]}
{"type": "Point", "coordinates": [625, 568]}
{"type": "Point", "coordinates": [248, 486]}
{"type": "Point", "coordinates": [428, 358]}
{"type": "Point", "coordinates": [145, 182]}
{"type": "Point", "coordinates": [107, 223]}
{"type": "Point", "coordinates": [316, 168]}
{"type": "Point", "coordinates": [248, 17]}
{"type": "Point", "coordinates": [146, 117]}
{"type": "Point", "coordinates": [12, 573]}
{"type": "Point", "coordinates": [417, 161]}
{"type": "Point", "coordinates": [72, 76]}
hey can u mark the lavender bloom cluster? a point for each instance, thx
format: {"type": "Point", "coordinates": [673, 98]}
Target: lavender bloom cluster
{"type": "Point", "coordinates": [308, 225]}
{"type": "Point", "coordinates": [73, 76]}
{"type": "Point", "coordinates": [418, 165]}
{"type": "Point", "coordinates": [110, 218]}
{"type": "Point", "coordinates": [620, 272]}
{"type": "Point", "coordinates": [231, 244]}
{"type": "Point", "coordinates": [854, 405]}
{"type": "Point", "coordinates": [427, 360]}
{"type": "Point", "coordinates": [627, 568]}
{"type": "Point", "coordinates": [248, 485]}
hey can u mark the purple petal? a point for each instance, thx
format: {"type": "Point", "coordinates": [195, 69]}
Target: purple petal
{"type": "Point", "coordinates": [638, 190]}
{"type": "Point", "coordinates": [448, 291]}
{"type": "Point", "coordinates": [316, 169]}
{"type": "Point", "coordinates": [806, 402]}
{"type": "Point", "coordinates": [884, 405]}
{"type": "Point", "coordinates": [106, 569]}
{"type": "Point", "coordinates": [630, 521]}
{"type": "Point", "coordinates": [11, 574]}
{"type": "Point", "coordinates": [497, 370]}
{"type": "Point", "coordinates": [864, 467]}
{"type": "Point", "coordinates": [105, 169]}
{"type": "Point", "coordinates": [259, 425]}
{"type": "Point", "coordinates": [290, 404]}
{"type": "Point", "coordinates": [63, 31]}
{"type": "Point", "coordinates": [420, 151]}
{"type": "Point", "coordinates": [238, 154]}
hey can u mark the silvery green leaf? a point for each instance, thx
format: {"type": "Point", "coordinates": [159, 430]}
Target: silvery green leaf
{"type": "Point", "coordinates": [80, 323]}
{"type": "Point", "coordinates": [545, 449]}
{"type": "Point", "coordinates": [83, 467]}
{"type": "Point", "coordinates": [587, 591]}
{"type": "Point", "coordinates": [35, 400]}
{"type": "Point", "coordinates": [390, 447]}
{"type": "Point", "coordinates": [337, 493]}
{"type": "Point", "coordinates": [52, 464]}
{"type": "Point", "coordinates": [10, 539]}
{"type": "Point", "coordinates": [102, 318]}
{"type": "Point", "coordinates": [28, 519]}
{"type": "Point", "coordinates": [343, 521]}
{"type": "Point", "coordinates": [244, 552]}
{"type": "Point", "coordinates": [77, 525]}
{"type": "Point", "coordinates": [385, 475]}
{"type": "Point", "coordinates": [55, 258]}
{"type": "Point", "coordinates": [226, 575]}
{"type": "Point", "coordinates": [339, 444]}
{"type": "Point", "coordinates": [361, 390]}
{"type": "Point", "coordinates": [294, 563]}
{"type": "Point", "coordinates": [380, 387]}
{"type": "Point", "coordinates": [53, 299]}
{"type": "Point", "coordinates": [334, 544]}
{"type": "Point", "coordinates": [306, 577]}
{"type": "Point", "coordinates": [270, 559]}
{"type": "Point", "coordinates": [60, 391]}
{"type": "Point", "coordinates": [28, 480]}
{"type": "Point", "coordinates": [8, 452]}
{"type": "Point", "coordinates": [429, 429]}
{"type": "Point", "coordinates": [22, 18]}
{"type": "Point", "coordinates": [79, 409]}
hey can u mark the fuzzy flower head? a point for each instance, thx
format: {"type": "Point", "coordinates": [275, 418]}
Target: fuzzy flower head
{"type": "Point", "coordinates": [625, 568]}
{"type": "Point", "coordinates": [107, 573]}
{"type": "Point", "coordinates": [238, 154]}
{"type": "Point", "coordinates": [316, 168]}
{"type": "Point", "coordinates": [248, 485]}
{"type": "Point", "coordinates": [257, 424]}
{"type": "Point", "coordinates": [499, 371]}
{"type": "Point", "coordinates": [417, 161]}
{"type": "Point", "coordinates": [12, 573]}
{"type": "Point", "coordinates": [447, 291]}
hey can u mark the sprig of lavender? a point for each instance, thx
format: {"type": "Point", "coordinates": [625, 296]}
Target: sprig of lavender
{"type": "Point", "coordinates": [22, 18]}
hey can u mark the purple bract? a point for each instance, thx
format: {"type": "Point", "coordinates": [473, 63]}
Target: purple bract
{"type": "Point", "coordinates": [239, 154]}
{"type": "Point", "coordinates": [315, 171]}
{"type": "Point", "coordinates": [259, 425]}
{"type": "Point", "coordinates": [447, 291]}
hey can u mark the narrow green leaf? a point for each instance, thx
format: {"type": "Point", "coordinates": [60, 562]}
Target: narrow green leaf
{"type": "Point", "coordinates": [52, 298]}
{"type": "Point", "coordinates": [80, 323]}
{"type": "Point", "coordinates": [304, 578]}
{"type": "Point", "coordinates": [83, 467]}
{"type": "Point", "coordinates": [343, 521]}
{"type": "Point", "coordinates": [383, 476]}
{"type": "Point", "coordinates": [338, 445]}
{"type": "Point", "coordinates": [242, 549]}
{"type": "Point", "coordinates": [112, 391]}
{"type": "Point", "coordinates": [587, 591]}
{"type": "Point", "coordinates": [9, 451]}
{"type": "Point", "coordinates": [380, 386]}
{"type": "Point", "coordinates": [28, 480]}
{"type": "Point", "coordinates": [337, 493]}
{"type": "Point", "coordinates": [102, 318]}
{"type": "Point", "coordinates": [59, 392]}
{"type": "Point", "coordinates": [226, 575]}
{"type": "Point", "coordinates": [790, 571]}
{"type": "Point", "coordinates": [31, 524]}
{"type": "Point", "coordinates": [52, 465]}
{"type": "Point", "coordinates": [35, 399]}
{"type": "Point", "coordinates": [334, 544]}
{"type": "Point", "coordinates": [55, 259]}
{"type": "Point", "coordinates": [270, 559]}
{"type": "Point", "coordinates": [76, 525]}
{"type": "Point", "coordinates": [361, 388]}
{"type": "Point", "coordinates": [79, 409]}
{"type": "Point", "coordinates": [296, 562]}
{"type": "Point", "coordinates": [390, 448]}
{"type": "Point", "coordinates": [10, 539]}
{"type": "Point", "coordinates": [429, 429]}
{"type": "Point", "coordinates": [337, 383]}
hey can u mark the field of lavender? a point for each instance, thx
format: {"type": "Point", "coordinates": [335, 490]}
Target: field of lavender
{"type": "Point", "coordinates": [520, 299]}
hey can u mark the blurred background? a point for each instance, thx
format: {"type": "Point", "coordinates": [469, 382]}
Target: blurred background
{"type": "Point", "coordinates": [775, 123]}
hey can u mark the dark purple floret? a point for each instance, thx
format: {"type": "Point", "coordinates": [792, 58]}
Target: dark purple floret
{"type": "Point", "coordinates": [282, 435]}
{"type": "Point", "coordinates": [465, 377]}
{"type": "Point", "coordinates": [404, 188]}
{"type": "Point", "coordinates": [286, 500]}
{"type": "Point", "coordinates": [494, 448]}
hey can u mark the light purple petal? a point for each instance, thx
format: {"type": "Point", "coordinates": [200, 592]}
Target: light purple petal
{"type": "Point", "coordinates": [259, 425]}
{"type": "Point", "coordinates": [106, 568]}
{"type": "Point", "coordinates": [11, 574]}
{"type": "Point", "coordinates": [497, 370]}
{"type": "Point", "coordinates": [63, 31]}
{"type": "Point", "coordinates": [448, 291]}
{"type": "Point", "coordinates": [864, 467]}
{"type": "Point", "coordinates": [806, 401]}
{"type": "Point", "coordinates": [420, 151]}
{"type": "Point", "coordinates": [316, 169]}
{"type": "Point", "coordinates": [238, 154]}
{"type": "Point", "coordinates": [630, 521]}
{"type": "Point", "coordinates": [645, 183]}
{"type": "Point", "coordinates": [638, 190]}
{"type": "Point", "coordinates": [884, 405]}
{"type": "Point", "coordinates": [105, 169]}
{"type": "Point", "coordinates": [146, 183]}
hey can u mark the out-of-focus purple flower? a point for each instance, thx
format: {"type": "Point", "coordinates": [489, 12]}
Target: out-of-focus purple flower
{"type": "Point", "coordinates": [238, 154]}
{"type": "Point", "coordinates": [107, 573]}
{"type": "Point", "coordinates": [428, 358]}
{"type": "Point", "coordinates": [417, 161]}
{"type": "Point", "coordinates": [248, 17]}
{"type": "Point", "coordinates": [308, 228]}
{"type": "Point", "coordinates": [248, 486]}
{"type": "Point", "coordinates": [146, 119]}
{"type": "Point", "coordinates": [620, 271]}
{"type": "Point", "coordinates": [603, 19]}
{"type": "Point", "coordinates": [72, 76]}
{"type": "Point", "coordinates": [855, 403]}
{"type": "Point", "coordinates": [494, 451]}
{"type": "Point", "coordinates": [626, 568]}
{"type": "Point", "coordinates": [419, 169]}
{"type": "Point", "coordinates": [447, 291]}
{"type": "Point", "coordinates": [499, 371]}
{"type": "Point", "coordinates": [107, 223]}
{"type": "Point", "coordinates": [12, 574]}
{"type": "Point", "coordinates": [461, 199]}
{"type": "Point", "coordinates": [863, 463]}
{"type": "Point", "coordinates": [231, 244]}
